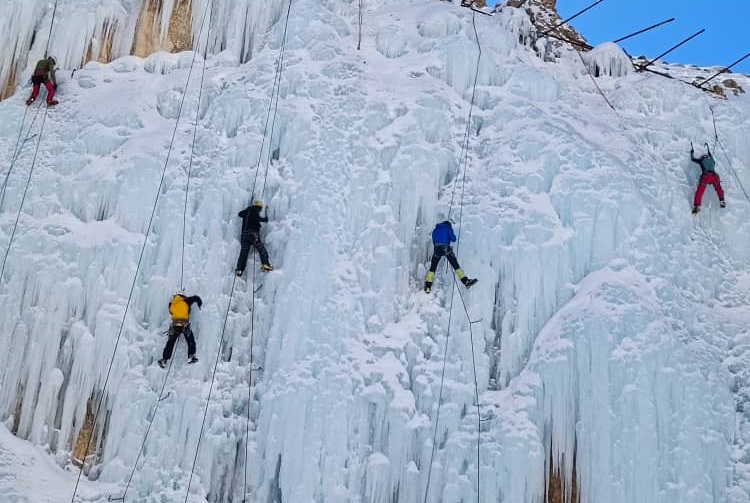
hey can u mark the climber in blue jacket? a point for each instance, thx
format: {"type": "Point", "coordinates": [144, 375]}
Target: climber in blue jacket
{"type": "Point", "coordinates": [442, 237]}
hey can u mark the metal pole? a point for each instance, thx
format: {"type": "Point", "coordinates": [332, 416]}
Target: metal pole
{"type": "Point", "coordinates": [582, 45]}
{"type": "Point", "coordinates": [651, 62]}
{"type": "Point", "coordinates": [743, 58]}
{"type": "Point", "coordinates": [643, 30]}
{"type": "Point", "coordinates": [572, 17]}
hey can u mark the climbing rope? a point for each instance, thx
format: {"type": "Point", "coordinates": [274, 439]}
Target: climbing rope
{"type": "Point", "coordinates": [192, 144]}
{"type": "Point", "coordinates": [23, 196]}
{"type": "Point", "coordinates": [271, 114]}
{"type": "Point", "coordinates": [726, 154]}
{"type": "Point", "coordinates": [359, 29]}
{"type": "Point", "coordinates": [593, 79]}
{"type": "Point", "coordinates": [51, 23]}
{"type": "Point", "coordinates": [588, 70]}
{"type": "Point", "coordinates": [18, 149]}
{"type": "Point", "coordinates": [464, 161]}
{"type": "Point", "coordinates": [138, 265]}
{"type": "Point", "coordinates": [273, 105]}
{"type": "Point", "coordinates": [249, 384]}
{"type": "Point", "coordinates": [182, 268]}
{"type": "Point", "coordinates": [145, 437]}
{"type": "Point", "coordinates": [210, 389]}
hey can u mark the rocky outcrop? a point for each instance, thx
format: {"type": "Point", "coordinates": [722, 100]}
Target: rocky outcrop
{"type": "Point", "coordinates": [149, 33]}
{"type": "Point", "coordinates": [109, 37]}
{"type": "Point", "coordinates": [544, 15]}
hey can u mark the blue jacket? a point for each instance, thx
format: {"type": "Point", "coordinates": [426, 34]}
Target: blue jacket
{"type": "Point", "coordinates": [443, 234]}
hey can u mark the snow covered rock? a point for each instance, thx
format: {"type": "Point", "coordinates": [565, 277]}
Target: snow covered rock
{"type": "Point", "coordinates": [609, 60]}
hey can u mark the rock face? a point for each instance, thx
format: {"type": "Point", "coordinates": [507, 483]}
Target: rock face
{"type": "Point", "coordinates": [149, 34]}
{"type": "Point", "coordinates": [160, 25]}
{"type": "Point", "coordinates": [543, 14]}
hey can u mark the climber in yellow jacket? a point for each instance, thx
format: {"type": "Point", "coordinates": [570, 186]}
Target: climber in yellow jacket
{"type": "Point", "coordinates": [179, 310]}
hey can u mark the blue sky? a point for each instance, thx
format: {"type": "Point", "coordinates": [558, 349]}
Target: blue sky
{"type": "Point", "coordinates": [724, 41]}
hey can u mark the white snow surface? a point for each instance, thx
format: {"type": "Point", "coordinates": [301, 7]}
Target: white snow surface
{"type": "Point", "coordinates": [608, 325]}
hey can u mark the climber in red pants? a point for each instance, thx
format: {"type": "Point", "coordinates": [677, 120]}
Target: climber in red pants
{"type": "Point", "coordinates": [44, 73]}
{"type": "Point", "coordinates": [708, 176]}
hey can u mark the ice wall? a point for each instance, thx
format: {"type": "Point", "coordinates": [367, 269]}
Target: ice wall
{"type": "Point", "coordinates": [601, 328]}
{"type": "Point", "coordinates": [104, 30]}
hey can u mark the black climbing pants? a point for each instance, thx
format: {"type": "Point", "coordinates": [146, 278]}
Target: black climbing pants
{"type": "Point", "coordinates": [440, 252]}
{"type": "Point", "coordinates": [248, 240]}
{"type": "Point", "coordinates": [174, 334]}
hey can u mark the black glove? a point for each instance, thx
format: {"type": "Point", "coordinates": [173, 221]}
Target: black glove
{"type": "Point", "coordinates": [199, 302]}
{"type": "Point", "coordinates": [54, 86]}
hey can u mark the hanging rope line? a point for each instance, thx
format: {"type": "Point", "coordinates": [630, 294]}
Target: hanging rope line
{"type": "Point", "coordinates": [138, 265]}
{"type": "Point", "coordinates": [273, 105]}
{"type": "Point", "coordinates": [440, 399]}
{"type": "Point", "coordinates": [583, 62]}
{"type": "Point", "coordinates": [726, 154]}
{"type": "Point", "coordinates": [474, 368]}
{"type": "Point", "coordinates": [18, 149]}
{"type": "Point", "coordinates": [166, 377]}
{"type": "Point", "coordinates": [463, 160]}
{"type": "Point", "coordinates": [593, 79]}
{"type": "Point", "coordinates": [23, 196]}
{"type": "Point", "coordinates": [359, 31]}
{"type": "Point", "coordinates": [148, 429]}
{"type": "Point", "coordinates": [210, 388]}
{"type": "Point", "coordinates": [20, 134]}
{"type": "Point", "coordinates": [192, 144]}
{"type": "Point", "coordinates": [249, 383]}
{"type": "Point", "coordinates": [51, 23]}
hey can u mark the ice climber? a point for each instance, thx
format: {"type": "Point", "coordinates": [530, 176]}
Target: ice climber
{"type": "Point", "coordinates": [179, 309]}
{"type": "Point", "coordinates": [44, 73]}
{"type": "Point", "coordinates": [250, 236]}
{"type": "Point", "coordinates": [708, 176]}
{"type": "Point", "coordinates": [442, 237]}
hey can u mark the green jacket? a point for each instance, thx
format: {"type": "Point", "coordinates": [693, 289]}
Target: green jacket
{"type": "Point", "coordinates": [45, 67]}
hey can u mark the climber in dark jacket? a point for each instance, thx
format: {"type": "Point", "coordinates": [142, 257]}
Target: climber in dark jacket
{"type": "Point", "coordinates": [442, 237]}
{"type": "Point", "coordinates": [44, 73]}
{"type": "Point", "coordinates": [179, 310]}
{"type": "Point", "coordinates": [251, 220]}
{"type": "Point", "coordinates": [708, 176]}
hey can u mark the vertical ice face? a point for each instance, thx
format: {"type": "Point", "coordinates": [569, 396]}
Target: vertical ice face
{"type": "Point", "coordinates": [599, 324]}
{"type": "Point", "coordinates": [104, 30]}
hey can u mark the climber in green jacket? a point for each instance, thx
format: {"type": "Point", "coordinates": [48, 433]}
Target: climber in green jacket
{"type": "Point", "coordinates": [44, 73]}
